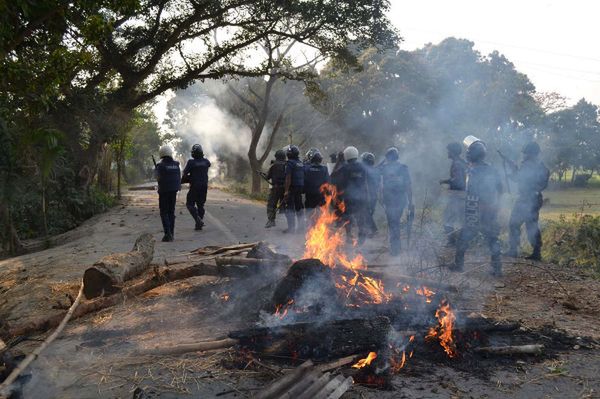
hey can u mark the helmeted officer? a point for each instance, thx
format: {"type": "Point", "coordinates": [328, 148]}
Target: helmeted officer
{"type": "Point", "coordinates": [373, 177]}
{"type": "Point", "coordinates": [168, 176]}
{"type": "Point", "coordinates": [455, 205]}
{"type": "Point", "coordinates": [196, 173]}
{"type": "Point", "coordinates": [315, 175]}
{"type": "Point", "coordinates": [276, 176]}
{"type": "Point", "coordinates": [483, 191]}
{"type": "Point", "coordinates": [396, 195]}
{"type": "Point", "coordinates": [294, 185]}
{"type": "Point", "coordinates": [352, 186]}
{"type": "Point", "coordinates": [532, 178]}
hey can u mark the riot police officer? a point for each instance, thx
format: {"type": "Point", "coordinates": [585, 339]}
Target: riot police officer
{"type": "Point", "coordinates": [196, 173]}
{"type": "Point", "coordinates": [352, 185]}
{"type": "Point", "coordinates": [315, 175]}
{"type": "Point", "coordinates": [294, 185]}
{"type": "Point", "coordinates": [483, 191]}
{"type": "Point", "coordinates": [373, 177]}
{"type": "Point", "coordinates": [455, 205]}
{"type": "Point", "coordinates": [396, 195]}
{"type": "Point", "coordinates": [532, 178]}
{"type": "Point", "coordinates": [168, 176]}
{"type": "Point", "coordinates": [276, 176]}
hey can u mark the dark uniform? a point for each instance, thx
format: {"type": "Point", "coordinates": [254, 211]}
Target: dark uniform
{"type": "Point", "coordinates": [276, 175]}
{"type": "Point", "coordinates": [196, 173]}
{"type": "Point", "coordinates": [168, 175]}
{"type": "Point", "coordinates": [352, 185]}
{"type": "Point", "coordinates": [294, 171]}
{"type": "Point", "coordinates": [395, 179]}
{"type": "Point", "coordinates": [484, 188]}
{"type": "Point", "coordinates": [532, 178]}
{"type": "Point", "coordinates": [373, 179]}
{"type": "Point", "coordinates": [454, 211]}
{"type": "Point", "coordinates": [315, 175]}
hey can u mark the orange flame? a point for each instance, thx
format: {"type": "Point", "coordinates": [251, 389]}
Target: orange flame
{"type": "Point", "coordinates": [426, 292]}
{"type": "Point", "coordinates": [225, 297]}
{"type": "Point", "coordinates": [325, 241]}
{"type": "Point", "coordinates": [366, 361]}
{"type": "Point", "coordinates": [443, 331]}
{"type": "Point", "coordinates": [282, 310]}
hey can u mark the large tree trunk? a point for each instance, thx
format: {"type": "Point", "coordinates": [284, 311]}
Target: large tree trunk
{"type": "Point", "coordinates": [108, 274]}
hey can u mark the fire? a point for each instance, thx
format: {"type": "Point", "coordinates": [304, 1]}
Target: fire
{"type": "Point", "coordinates": [443, 331]}
{"type": "Point", "coordinates": [366, 361]}
{"type": "Point", "coordinates": [426, 292]}
{"type": "Point", "coordinates": [225, 297]}
{"type": "Point", "coordinates": [325, 241]}
{"type": "Point", "coordinates": [282, 310]}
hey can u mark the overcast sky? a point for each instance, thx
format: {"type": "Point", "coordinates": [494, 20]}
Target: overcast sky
{"type": "Point", "coordinates": [554, 42]}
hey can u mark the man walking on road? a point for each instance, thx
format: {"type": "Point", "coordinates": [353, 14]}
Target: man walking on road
{"type": "Point", "coordinates": [532, 178]}
{"type": "Point", "coordinates": [168, 176]}
{"type": "Point", "coordinates": [276, 176]}
{"type": "Point", "coordinates": [196, 173]}
{"type": "Point", "coordinates": [294, 185]}
{"type": "Point", "coordinates": [455, 205]}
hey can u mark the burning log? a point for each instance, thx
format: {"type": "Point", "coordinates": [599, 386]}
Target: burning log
{"type": "Point", "coordinates": [317, 340]}
{"type": "Point", "coordinates": [262, 251]}
{"type": "Point", "coordinates": [108, 274]}
{"type": "Point", "coordinates": [534, 349]}
{"type": "Point", "coordinates": [157, 279]}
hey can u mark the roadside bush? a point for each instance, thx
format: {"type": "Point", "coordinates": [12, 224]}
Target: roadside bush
{"type": "Point", "coordinates": [573, 242]}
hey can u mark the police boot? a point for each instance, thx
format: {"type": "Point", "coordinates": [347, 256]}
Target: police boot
{"type": "Point", "coordinates": [166, 227]}
{"type": "Point", "coordinates": [535, 255]}
{"type": "Point", "coordinates": [270, 223]}
{"type": "Point", "coordinates": [172, 231]}
{"type": "Point", "coordinates": [199, 224]}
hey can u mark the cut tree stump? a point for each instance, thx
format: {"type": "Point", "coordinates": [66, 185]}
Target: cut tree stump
{"type": "Point", "coordinates": [319, 341]}
{"type": "Point", "coordinates": [107, 275]}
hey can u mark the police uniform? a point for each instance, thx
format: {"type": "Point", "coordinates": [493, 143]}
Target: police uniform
{"type": "Point", "coordinates": [352, 185]}
{"type": "Point", "coordinates": [455, 205]}
{"type": "Point", "coordinates": [395, 179]}
{"type": "Point", "coordinates": [196, 173]}
{"type": "Point", "coordinates": [294, 168]}
{"type": "Point", "coordinates": [373, 178]}
{"type": "Point", "coordinates": [315, 175]}
{"type": "Point", "coordinates": [483, 191]}
{"type": "Point", "coordinates": [532, 178]}
{"type": "Point", "coordinates": [168, 176]}
{"type": "Point", "coordinates": [276, 175]}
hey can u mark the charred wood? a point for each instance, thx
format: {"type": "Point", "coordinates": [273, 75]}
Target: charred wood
{"type": "Point", "coordinates": [186, 348]}
{"type": "Point", "coordinates": [534, 349]}
{"type": "Point", "coordinates": [318, 341]}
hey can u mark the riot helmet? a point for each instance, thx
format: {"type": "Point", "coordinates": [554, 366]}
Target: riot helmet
{"type": "Point", "coordinates": [316, 158]}
{"type": "Point", "coordinates": [531, 149]}
{"type": "Point", "coordinates": [280, 155]}
{"type": "Point", "coordinates": [476, 152]}
{"type": "Point", "coordinates": [350, 153]}
{"type": "Point", "coordinates": [293, 152]}
{"type": "Point", "coordinates": [309, 154]}
{"type": "Point", "coordinates": [368, 158]}
{"type": "Point", "coordinates": [197, 151]}
{"type": "Point", "coordinates": [392, 154]}
{"type": "Point", "coordinates": [165, 151]}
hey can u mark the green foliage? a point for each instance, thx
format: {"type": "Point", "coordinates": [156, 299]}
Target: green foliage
{"type": "Point", "coordinates": [573, 242]}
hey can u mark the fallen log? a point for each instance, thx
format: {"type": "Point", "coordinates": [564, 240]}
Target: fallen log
{"type": "Point", "coordinates": [319, 341]}
{"type": "Point", "coordinates": [216, 250]}
{"type": "Point", "coordinates": [535, 349]}
{"type": "Point", "coordinates": [336, 363]}
{"type": "Point", "coordinates": [186, 348]}
{"type": "Point", "coordinates": [237, 260]}
{"type": "Point", "coordinates": [157, 279]}
{"type": "Point", "coordinates": [108, 274]}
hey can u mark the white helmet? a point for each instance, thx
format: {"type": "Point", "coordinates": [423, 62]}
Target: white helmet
{"type": "Point", "coordinates": [350, 153]}
{"type": "Point", "coordinates": [165, 151]}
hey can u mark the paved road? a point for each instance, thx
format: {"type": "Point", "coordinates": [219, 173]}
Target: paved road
{"type": "Point", "coordinates": [33, 283]}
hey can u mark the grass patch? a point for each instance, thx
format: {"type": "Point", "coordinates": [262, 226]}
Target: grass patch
{"type": "Point", "coordinates": [571, 202]}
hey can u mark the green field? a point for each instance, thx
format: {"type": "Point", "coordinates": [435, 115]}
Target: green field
{"type": "Point", "coordinates": [570, 201]}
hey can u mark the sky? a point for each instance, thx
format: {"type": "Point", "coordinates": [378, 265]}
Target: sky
{"type": "Point", "coordinates": [555, 43]}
